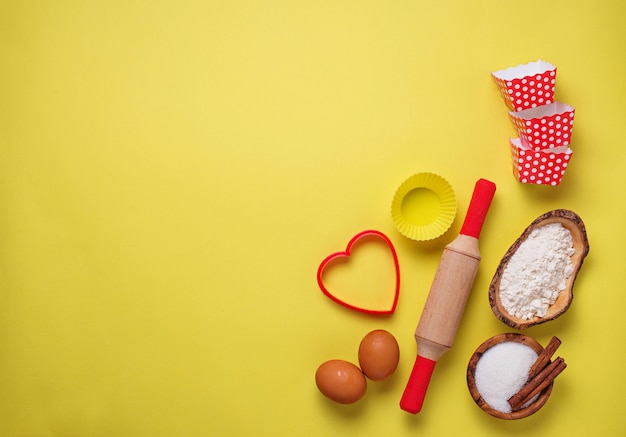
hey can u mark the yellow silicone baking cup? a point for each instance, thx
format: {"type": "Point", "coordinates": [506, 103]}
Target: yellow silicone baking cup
{"type": "Point", "coordinates": [423, 207]}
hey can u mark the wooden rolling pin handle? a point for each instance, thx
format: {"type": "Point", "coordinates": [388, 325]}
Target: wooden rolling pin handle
{"type": "Point", "coordinates": [479, 205]}
{"type": "Point", "coordinates": [415, 391]}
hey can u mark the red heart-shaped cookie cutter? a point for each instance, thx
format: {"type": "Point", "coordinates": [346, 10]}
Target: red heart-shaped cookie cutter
{"type": "Point", "coordinates": [346, 253]}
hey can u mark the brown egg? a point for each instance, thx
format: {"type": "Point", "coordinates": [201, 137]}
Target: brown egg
{"type": "Point", "coordinates": [379, 355]}
{"type": "Point", "coordinates": [341, 381]}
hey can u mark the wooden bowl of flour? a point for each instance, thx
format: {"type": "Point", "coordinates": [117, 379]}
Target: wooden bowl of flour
{"type": "Point", "coordinates": [551, 251]}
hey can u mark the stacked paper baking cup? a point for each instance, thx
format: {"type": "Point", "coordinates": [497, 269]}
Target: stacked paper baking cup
{"type": "Point", "coordinates": [541, 153]}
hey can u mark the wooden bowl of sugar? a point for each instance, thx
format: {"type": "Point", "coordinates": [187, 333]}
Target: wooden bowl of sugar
{"type": "Point", "coordinates": [498, 369]}
{"type": "Point", "coordinates": [534, 281]}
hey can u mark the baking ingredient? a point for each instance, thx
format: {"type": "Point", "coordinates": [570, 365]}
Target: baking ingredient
{"type": "Point", "coordinates": [341, 381]}
{"type": "Point", "coordinates": [537, 272]}
{"type": "Point", "coordinates": [379, 355]}
{"type": "Point", "coordinates": [502, 371]}
{"type": "Point", "coordinates": [537, 384]}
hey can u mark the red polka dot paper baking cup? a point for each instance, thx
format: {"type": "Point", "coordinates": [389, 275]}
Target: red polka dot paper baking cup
{"type": "Point", "coordinates": [544, 127]}
{"type": "Point", "coordinates": [526, 85]}
{"type": "Point", "coordinates": [545, 167]}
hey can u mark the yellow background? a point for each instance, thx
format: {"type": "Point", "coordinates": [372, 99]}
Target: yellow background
{"type": "Point", "coordinates": [172, 174]}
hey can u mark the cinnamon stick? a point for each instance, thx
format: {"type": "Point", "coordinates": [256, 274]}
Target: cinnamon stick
{"type": "Point", "coordinates": [544, 357]}
{"type": "Point", "coordinates": [534, 386]}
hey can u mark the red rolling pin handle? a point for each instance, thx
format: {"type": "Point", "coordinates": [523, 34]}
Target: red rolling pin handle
{"type": "Point", "coordinates": [415, 391]}
{"type": "Point", "coordinates": [479, 205]}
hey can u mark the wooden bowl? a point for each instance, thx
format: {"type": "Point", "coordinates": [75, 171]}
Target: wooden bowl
{"type": "Point", "coordinates": [575, 225]}
{"type": "Point", "coordinates": [471, 382]}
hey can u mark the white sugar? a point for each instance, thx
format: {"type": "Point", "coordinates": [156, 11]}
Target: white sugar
{"type": "Point", "coordinates": [502, 371]}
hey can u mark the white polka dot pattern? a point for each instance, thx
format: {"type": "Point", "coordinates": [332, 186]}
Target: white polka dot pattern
{"type": "Point", "coordinates": [527, 91]}
{"type": "Point", "coordinates": [541, 154]}
{"type": "Point", "coordinates": [539, 166]}
{"type": "Point", "coordinates": [546, 126]}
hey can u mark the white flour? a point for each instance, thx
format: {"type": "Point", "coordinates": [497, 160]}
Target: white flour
{"type": "Point", "coordinates": [537, 272]}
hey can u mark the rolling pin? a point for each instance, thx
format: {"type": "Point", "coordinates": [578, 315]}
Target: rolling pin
{"type": "Point", "coordinates": [447, 297]}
